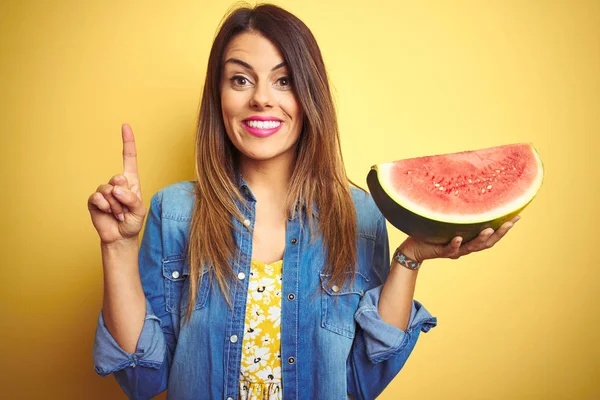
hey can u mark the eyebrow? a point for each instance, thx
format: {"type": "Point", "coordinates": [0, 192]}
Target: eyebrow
{"type": "Point", "coordinates": [246, 65]}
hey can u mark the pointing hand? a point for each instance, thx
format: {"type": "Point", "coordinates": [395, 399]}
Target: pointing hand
{"type": "Point", "coordinates": [116, 208]}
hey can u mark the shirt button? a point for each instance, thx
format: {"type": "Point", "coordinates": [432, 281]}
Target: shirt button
{"type": "Point", "coordinates": [175, 274]}
{"type": "Point", "coordinates": [241, 276]}
{"type": "Point", "coordinates": [291, 360]}
{"type": "Point", "coordinates": [335, 288]}
{"type": "Point", "coordinates": [291, 296]}
{"type": "Point", "coordinates": [294, 241]}
{"type": "Point", "coordinates": [247, 222]}
{"type": "Point", "coordinates": [233, 338]}
{"type": "Point", "coordinates": [230, 398]}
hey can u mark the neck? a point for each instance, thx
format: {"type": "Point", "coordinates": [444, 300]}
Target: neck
{"type": "Point", "coordinates": [268, 179]}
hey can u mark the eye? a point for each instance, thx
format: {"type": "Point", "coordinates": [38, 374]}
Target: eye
{"type": "Point", "coordinates": [237, 79]}
{"type": "Point", "coordinates": [287, 80]}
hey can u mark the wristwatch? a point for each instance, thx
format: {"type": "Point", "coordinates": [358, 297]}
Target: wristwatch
{"type": "Point", "coordinates": [406, 261]}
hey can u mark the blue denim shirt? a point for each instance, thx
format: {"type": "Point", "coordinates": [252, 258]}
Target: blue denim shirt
{"type": "Point", "coordinates": [329, 349]}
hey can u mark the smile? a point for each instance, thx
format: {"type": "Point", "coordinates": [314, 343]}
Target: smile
{"type": "Point", "coordinates": [262, 128]}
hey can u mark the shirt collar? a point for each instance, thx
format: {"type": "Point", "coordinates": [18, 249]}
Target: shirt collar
{"type": "Point", "coordinates": [249, 196]}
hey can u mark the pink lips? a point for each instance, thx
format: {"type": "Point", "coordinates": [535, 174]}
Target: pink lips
{"type": "Point", "coordinates": [262, 133]}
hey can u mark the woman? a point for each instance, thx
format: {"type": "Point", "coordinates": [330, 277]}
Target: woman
{"type": "Point", "coordinates": [305, 303]}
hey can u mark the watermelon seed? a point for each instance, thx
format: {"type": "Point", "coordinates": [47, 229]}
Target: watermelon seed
{"type": "Point", "coordinates": [482, 190]}
{"type": "Point", "coordinates": [441, 188]}
{"type": "Point", "coordinates": [489, 186]}
{"type": "Point", "coordinates": [470, 181]}
{"type": "Point", "coordinates": [498, 170]}
{"type": "Point", "coordinates": [436, 185]}
{"type": "Point", "coordinates": [456, 192]}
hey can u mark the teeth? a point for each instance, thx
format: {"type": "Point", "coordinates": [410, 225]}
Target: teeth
{"type": "Point", "coordinates": [263, 124]}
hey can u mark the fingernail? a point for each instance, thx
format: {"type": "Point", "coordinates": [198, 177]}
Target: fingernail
{"type": "Point", "coordinates": [118, 191]}
{"type": "Point", "coordinates": [121, 217]}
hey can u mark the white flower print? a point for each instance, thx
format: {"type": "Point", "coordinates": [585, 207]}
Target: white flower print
{"type": "Point", "coordinates": [252, 333]}
{"type": "Point", "coordinates": [258, 360]}
{"type": "Point", "coordinates": [255, 293]}
{"type": "Point", "coordinates": [269, 374]}
{"type": "Point", "coordinates": [266, 339]}
{"type": "Point", "coordinates": [275, 315]}
{"type": "Point", "coordinates": [268, 269]}
{"type": "Point", "coordinates": [260, 374]}
{"type": "Point", "coordinates": [262, 287]}
{"type": "Point", "coordinates": [268, 283]}
{"type": "Point", "coordinates": [256, 314]}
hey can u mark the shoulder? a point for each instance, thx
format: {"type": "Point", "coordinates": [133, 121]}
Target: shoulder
{"type": "Point", "coordinates": [176, 201]}
{"type": "Point", "coordinates": [368, 215]}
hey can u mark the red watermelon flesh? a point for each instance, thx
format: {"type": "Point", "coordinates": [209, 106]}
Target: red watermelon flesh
{"type": "Point", "coordinates": [435, 198]}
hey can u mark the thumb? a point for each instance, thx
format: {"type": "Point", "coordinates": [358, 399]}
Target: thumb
{"type": "Point", "coordinates": [130, 199]}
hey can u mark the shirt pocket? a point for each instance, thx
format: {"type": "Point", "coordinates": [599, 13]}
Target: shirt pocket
{"type": "Point", "coordinates": [338, 304]}
{"type": "Point", "coordinates": [175, 277]}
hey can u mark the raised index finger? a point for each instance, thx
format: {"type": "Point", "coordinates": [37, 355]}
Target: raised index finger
{"type": "Point", "coordinates": [129, 153]}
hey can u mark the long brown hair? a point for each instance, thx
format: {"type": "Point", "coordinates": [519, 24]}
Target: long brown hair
{"type": "Point", "coordinates": [319, 177]}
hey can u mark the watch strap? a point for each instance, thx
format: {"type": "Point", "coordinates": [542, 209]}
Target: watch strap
{"type": "Point", "coordinates": [405, 261]}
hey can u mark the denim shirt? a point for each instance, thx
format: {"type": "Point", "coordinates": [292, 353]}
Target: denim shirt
{"type": "Point", "coordinates": [333, 345]}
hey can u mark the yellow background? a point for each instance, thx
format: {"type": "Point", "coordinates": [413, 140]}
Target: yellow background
{"type": "Point", "coordinates": [518, 321]}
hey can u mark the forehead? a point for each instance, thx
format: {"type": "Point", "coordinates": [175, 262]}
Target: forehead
{"type": "Point", "coordinates": [253, 49]}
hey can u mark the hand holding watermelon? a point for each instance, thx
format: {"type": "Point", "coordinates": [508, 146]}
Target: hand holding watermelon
{"type": "Point", "coordinates": [420, 251]}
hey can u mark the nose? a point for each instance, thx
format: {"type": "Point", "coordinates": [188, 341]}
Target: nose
{"type": "Point", "coordinates": [262, 96]}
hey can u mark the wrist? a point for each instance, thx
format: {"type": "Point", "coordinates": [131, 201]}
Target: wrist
{"type": "Point", "coordinates": [405, 256]}
{"type": "Point", "coordinates": [120, 245]}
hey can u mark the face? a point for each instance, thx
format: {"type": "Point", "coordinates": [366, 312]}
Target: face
{"type": "Point", "coordinates": [256, 83]}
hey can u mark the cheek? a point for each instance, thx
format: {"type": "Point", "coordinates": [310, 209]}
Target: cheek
{"type": "Point", "coordinates": [226, 105]}
{"type": "Point", "coordinates": [292, 108]}
{"type": "Point", "coordinates": [231, 102]}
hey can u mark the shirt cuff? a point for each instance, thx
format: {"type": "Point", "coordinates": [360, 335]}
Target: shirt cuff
{"type": "Point", "coordinates": [383, 340]}
{"type": "Point", "coordinates": [109, 357]}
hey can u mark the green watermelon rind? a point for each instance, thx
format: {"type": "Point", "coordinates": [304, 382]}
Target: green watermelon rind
{"type": "Point", "coordinates": [433, 227]}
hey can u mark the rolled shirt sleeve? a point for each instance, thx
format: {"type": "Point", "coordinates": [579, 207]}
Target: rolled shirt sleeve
{"type": "Point", "coordinates": [144, 373]}
{"type": "Point", "coordinates": [380, 350]}
{"type": "Point", "coordinates": [109, 357]}
{"type": "Point", "coordinates": [383, 340]}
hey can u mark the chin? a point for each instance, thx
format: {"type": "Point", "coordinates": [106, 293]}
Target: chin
{"type": "Point", "coordinates": [262, 155]}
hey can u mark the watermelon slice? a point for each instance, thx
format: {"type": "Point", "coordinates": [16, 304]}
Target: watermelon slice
{"type": "Point", "coordinates": [436, 198]}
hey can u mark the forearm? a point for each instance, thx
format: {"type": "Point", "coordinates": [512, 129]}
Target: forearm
{"type": "Point", "coordinates": [395, 303]}
{"type": "Point", "coordinates": [124, 304]}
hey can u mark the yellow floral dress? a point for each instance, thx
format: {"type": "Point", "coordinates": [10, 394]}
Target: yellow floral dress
{"type": "Point", "coordinates": [260, 374]}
